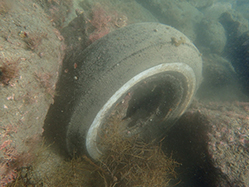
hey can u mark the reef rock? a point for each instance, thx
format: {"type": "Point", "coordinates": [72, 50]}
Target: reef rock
{"type": "Point", "coordinates": [240, 59]}
{"type": "Point", "coordinates": [211, 34]}
{"type": "Point", "coordinates": [201, 3]}
{"type": "Point", "coordinates": [216, 9]}
{"type": "Point", "coordinates": [179, 14]}
{"type": "Point", "coordinates": [234, 23]}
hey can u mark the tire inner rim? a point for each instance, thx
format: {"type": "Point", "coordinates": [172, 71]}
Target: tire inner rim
{"type": "Point", "coordinates": [149, 98]}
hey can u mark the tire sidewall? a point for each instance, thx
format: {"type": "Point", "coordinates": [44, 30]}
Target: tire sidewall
{"type": "Point", "coordinates": [109, 63]}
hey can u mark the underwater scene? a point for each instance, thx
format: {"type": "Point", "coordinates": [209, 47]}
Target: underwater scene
{"type": "Point", "coordinates": [124, 93]}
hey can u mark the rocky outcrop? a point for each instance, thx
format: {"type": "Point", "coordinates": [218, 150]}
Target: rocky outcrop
{"type": "Point", "coordinates": [211, 34]}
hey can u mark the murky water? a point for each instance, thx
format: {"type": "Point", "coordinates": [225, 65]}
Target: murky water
{"type": "Point", "coordinates": [66, 66]}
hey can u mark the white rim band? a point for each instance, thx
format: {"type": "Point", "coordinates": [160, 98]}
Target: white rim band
{"type": "Point", "coordinates": [91, 137]}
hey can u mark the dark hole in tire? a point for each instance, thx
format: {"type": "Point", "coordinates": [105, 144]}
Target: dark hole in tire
{"type": "Point", "coordinates": [154, 98]}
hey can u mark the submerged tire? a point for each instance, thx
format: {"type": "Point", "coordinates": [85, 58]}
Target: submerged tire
{"type": "Point", "coordinates": [152, 69]}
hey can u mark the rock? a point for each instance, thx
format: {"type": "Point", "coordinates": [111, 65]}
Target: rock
{"type": "Point", "coordinates": [227, 143]}
{"type": "Point", "coordinates": [211, 34]}
{"type": "Point", "coordinates": [201, 3]}
{"type": "Point", "coordinates": [219, 79]}
{"type": "Point", "coordinates": [234, 23]}
{"type": "Point", "coordinates": [237, 44]}
{"type": "Point", "coordinates": [217, 71]}
{"type": "Point", "coordinates": [210, 142]}
{"type": "Point", "coordinates": [215, 10]}
{"type": "Point", "coordinates": [32, 51]}
{"type": "Point", "coordinates": [227, 139]}
{"type": "Point", "coordinates": [240, 60]}
{"type": "Point", "coordinates": [179, 14]}
{"type": "Point", "coordinates": [241, 2]}
{"type": "Point", "coordinates": [243, 9]}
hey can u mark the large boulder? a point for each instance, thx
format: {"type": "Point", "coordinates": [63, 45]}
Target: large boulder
{"type": "Point", "coordinates": [211, 34]}
{"type": "Point", "coordinates": [32, 51]}
{"type": "Point", "coordinates": [216, 9]}
{"type": "Point", "coordinates": [179, 14]}
{"type": "Point", "coordinates": [211, 142]}
{"type": "Point", "coordinates": [243, 9]}
{"type": "Point", "coordinates": [234, 23]}
{"type": "Point", "coordinates": [240, 59]}
{"type": "Point", "coordinates": [200, 4]}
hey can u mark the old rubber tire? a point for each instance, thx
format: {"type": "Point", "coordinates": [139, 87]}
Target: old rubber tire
{"type": "Point", "coordinates": [155, 62]}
